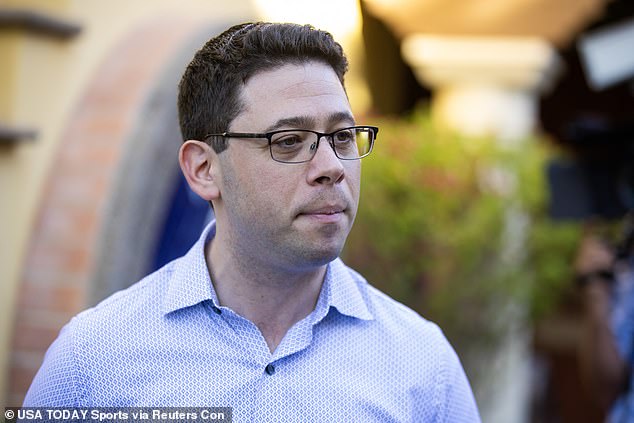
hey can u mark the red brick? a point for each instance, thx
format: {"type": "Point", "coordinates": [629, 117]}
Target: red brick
{"type": "Point", "coordinates": [33, 339]}
{"type": "Point", "coordinates": [63, 298]}
{"type": "Point", "coordinates": [20, 380]}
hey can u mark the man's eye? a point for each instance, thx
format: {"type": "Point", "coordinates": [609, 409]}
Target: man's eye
{"type": "Point", "coordinates": [344, 136]}
{"type": "Point", "coordinates": [288, 141]}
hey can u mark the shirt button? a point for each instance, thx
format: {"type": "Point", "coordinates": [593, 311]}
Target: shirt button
{"type": "Point", "coordinates": [270, 369]}
{"type": "Point", "coordinates": [216, 310]}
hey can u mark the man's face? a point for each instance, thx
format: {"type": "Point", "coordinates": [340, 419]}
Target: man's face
{"type": "Point", "coordinates": [293, 216]}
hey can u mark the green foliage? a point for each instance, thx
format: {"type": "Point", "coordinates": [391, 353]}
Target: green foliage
{"type": "Point", "coordinates": [456, 228]}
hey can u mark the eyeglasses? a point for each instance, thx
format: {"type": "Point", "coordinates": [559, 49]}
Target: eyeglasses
{"type": "Point", "coordinates": [300, 145]}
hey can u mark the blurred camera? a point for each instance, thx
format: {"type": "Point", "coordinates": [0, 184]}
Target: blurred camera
{"type": "Point", "coordinates": [597, 181]}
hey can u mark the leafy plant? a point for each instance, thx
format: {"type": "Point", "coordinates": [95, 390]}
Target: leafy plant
{"type": "Point", "coordinates": [457, 228]}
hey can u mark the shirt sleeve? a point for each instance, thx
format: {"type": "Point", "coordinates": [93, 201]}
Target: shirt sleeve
{"type": "Point", "coordinates": [623, 315]}
{"type": "Point", "coordinates": [56, 383]}
{"type": "Point", "coordinates": [456, 397]}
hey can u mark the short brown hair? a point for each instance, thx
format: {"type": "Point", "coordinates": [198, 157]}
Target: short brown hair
{"type": "Point", "coordinates": [209, 91]}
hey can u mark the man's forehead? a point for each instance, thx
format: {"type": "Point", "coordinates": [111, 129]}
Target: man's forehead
{"type": "Point", "coordinates": [310, 121]}
{"type": "Point", "coordinates": [305, 95]}
{"type": "Point", "coordinates": [295, 80]}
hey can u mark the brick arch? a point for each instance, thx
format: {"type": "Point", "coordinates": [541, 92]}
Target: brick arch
{"type": "Point", "coordinates": [110, 170]}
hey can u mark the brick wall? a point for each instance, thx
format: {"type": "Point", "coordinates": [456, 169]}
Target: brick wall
{"type": "Point", "coordinates": [64, 245]}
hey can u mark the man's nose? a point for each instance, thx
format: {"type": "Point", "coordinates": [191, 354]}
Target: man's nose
{"type": "Point", "coordinates": [325, 167]}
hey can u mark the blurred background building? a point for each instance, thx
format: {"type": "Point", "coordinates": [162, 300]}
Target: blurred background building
{"type": "Point", "coordinates": [92, 198]}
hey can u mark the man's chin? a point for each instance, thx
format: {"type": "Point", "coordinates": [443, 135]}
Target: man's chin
{"type": "Point", "coordinates": [321, 244]}
{"type": "Point", "coordinates": [318, 257]}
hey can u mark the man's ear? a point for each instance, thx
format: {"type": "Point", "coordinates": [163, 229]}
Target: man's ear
{"type": "Point", "coordinates": [198, 163]}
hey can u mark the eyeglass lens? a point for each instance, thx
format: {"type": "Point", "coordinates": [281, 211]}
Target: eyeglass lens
{"type": "Point", "coordinates": [295, 146]}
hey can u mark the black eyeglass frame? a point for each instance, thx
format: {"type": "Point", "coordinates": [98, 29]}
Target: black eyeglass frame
{"type": "Point", "coordinates": [329, 136]}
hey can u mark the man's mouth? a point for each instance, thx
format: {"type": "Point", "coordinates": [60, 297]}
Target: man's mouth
{"type": "Point", "coordinates": [326, 214]}
{"type": "Point", "coordinates": [333, 210]}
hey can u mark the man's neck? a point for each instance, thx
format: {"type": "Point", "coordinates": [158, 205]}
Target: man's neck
{"type": "Point", "coordinates": [273, 299]}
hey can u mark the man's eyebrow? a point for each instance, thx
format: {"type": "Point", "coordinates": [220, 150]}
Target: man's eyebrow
{"type": "Point", "coordinates": [341, 117]}
{"type": "Point", "coordinates": [307, 122]}
{"type": "Point", "coordinates": [295, 122]}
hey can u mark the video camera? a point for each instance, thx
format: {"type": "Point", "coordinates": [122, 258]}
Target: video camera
{"type": "Point", "coordinates": [598, 181]}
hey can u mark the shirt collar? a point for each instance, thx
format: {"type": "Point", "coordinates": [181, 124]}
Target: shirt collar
{"type": "Point", "coordinates": [191, 284]}
{"type": "Point", "coordinates": [342, 291]}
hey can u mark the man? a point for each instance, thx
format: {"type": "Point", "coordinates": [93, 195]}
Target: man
{"type": "Point", "coordinates": [606, 281]}
{"type": "Point", "coordinates": [261, 315]}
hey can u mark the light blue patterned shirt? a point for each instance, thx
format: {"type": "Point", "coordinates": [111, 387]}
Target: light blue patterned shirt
{"type": "Point", "coordinates": [358, 357]}
{"type": "Point", "coordinates": [623, 328]}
